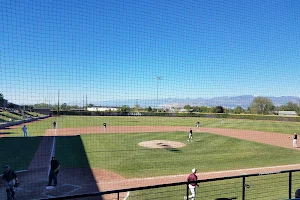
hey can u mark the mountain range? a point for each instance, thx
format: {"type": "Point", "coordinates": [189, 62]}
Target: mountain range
{"type": "Point", "coordinates": [226, 101]}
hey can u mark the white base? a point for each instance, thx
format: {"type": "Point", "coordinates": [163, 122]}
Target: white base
{"type": "Point", "coordinates": [49, 187]}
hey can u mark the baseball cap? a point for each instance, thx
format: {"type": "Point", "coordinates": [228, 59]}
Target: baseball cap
{"type": "Point", "coordinates": [194, 170]}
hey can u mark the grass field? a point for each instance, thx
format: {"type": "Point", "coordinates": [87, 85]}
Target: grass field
{"type": "Point", "coordinates": [38, 129]}
{"type": "Point", "coordinates": [121, 154]}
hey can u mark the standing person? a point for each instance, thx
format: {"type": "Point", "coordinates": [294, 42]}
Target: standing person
{"type": "Point", "coordinates": [10, 179]}
{"type": "Point", "coordinates": [53, 171]}
{"type": "Point", "coordinates": [54, 125]}
{"type": "Point", "coordinates": [295, 140]}
{"type": "Point", "coordinates": [190, 136]}
{"type": "Point", "coordinates": [198, 125]}
{"type": "Point", "coordinates": [192, 186]}
{"type": "Point", "coordinates": [24, 129]}
{"type": "Point", "coordinates": [104, 126]}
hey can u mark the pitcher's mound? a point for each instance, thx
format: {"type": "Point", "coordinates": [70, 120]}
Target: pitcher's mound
{"type": "Point", "coordinates": [162, 144]}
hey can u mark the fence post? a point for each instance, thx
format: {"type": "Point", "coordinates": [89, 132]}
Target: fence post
{"type": "Point", "coordinates": [118, 195]}
{"type": "Point", "coordinates": [290, 185]}
{"type": "Point", "coordinates": [244, 186]}
{"type": "Point", "coordinates": [187, 190]}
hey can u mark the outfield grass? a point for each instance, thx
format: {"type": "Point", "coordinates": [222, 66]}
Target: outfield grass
{"type": "Point", "coordinates": [39, 128]}
{"type": "Point", "coordinates": [260, 125]}
{"type": "Point", "coordinates": [116, 152]}
{"type": "Point", "coordinates": [121, 154]}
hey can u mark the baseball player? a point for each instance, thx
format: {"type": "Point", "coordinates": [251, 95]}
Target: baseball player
{"type": "Point", "coordinates": [10, 179]}
{"type": "Point", "coordinates": [190, 136]}
{"type": "Point", "coordinates": [192, 186]}
{"type": "Point", "coordinates": [104, 126]}
{"type": "Point", "coordinates": [198, 125]}
{"type": "Point", "coordinates": [24, 129]}
{"type": "Point", "coordinates": [54, 125]}
{"type": "Point", "coordinates": [295, 140]}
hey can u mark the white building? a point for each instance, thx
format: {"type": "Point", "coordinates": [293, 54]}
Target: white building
{"type": "Point", "coordinates": [102, 108]}
{"type": "Point", "coordinates": [287, 113]}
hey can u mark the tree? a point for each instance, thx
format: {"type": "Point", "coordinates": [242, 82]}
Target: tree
{"type": "Point", "coordinates": [1, 96]}
{"type": "Point", "coordinates": [218, 109]}
{"type": "Point", "coordinates": [197, 109]}
{"type": "Point", "coordinates": [261, 105]}
{"type": "Point", "coordinates": [204, 109]}
{"type": "Point", "coordinates": [149, 109]}
{"type": "Point", "coordinates": [124, 109]}
{"type": "Point", "coordinates": [137, 107]}
{"type": "Point", "coordinates": [90, 105]}
{"type": "Point", "coordinates": [291, 107]}
{"type": "Point", "coordinates": [63, 106]}
{"type": "Point", "coordinates": [238, 110]}
{"type": "Point", "coordinates": [188, 107]}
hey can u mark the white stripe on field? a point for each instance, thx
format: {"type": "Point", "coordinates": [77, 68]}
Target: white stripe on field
{"type": "Point", "coordinates": [52, 153]}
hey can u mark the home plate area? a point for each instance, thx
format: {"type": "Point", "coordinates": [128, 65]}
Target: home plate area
{"type": "Point", "coordinates": [38, 189]}
{"type": "Point", "coordinates": [62, 190]}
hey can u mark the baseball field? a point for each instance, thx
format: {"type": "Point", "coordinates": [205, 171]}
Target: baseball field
{"type": "Point", "coordinates": [141, 151]}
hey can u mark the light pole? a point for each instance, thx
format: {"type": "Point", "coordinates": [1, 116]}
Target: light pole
{"type": "Point", "coordinates": [158, 78]}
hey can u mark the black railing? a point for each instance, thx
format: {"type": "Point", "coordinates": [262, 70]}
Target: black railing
{"type": "Point", "coordinates": [268, 185]}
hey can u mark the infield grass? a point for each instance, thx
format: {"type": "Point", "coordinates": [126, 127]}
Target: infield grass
{"type": "Point", "coordinates": [120, 153]}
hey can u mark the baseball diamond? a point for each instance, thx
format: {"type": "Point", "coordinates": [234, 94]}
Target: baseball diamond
{"type": "Point", "coordinates": [79, 150]}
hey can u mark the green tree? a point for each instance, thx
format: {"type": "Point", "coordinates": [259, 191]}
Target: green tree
{"type": "Point", "coordinates": [149, 109]}
{"type": "Point", "coordinates": [90, 105]}
{"type": "Point", "coordinates": [218, 109]}
{"type": "Point", "coordinates": [204, 109]}
{"type": "Point", "coordinates": [238, 110]}
{"type": "Point", "coordinates": [262, 105]}
{"type": "Point", "coordinates": [63, 106]}
{"type": "Point", "coordinates": [137, 107]}
{"type": "Point", "coordinates": [188, 107]}
{"type": "Point", "coordinates": [197, 109]}
{"type": "Point", "coordinates": [125, 109]}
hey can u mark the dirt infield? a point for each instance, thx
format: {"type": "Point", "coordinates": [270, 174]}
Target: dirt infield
{"type": "Point", "coordinates": [81, 180]}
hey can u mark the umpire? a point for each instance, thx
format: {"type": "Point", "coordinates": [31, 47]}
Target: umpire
{"type": "Point", "coordinates": [53, 171]}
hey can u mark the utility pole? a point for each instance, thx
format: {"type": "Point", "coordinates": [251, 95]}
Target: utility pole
{"type": "Point", "coordinates": [58, 105]}
{"type": "Point", "coordinates": [158, 78]}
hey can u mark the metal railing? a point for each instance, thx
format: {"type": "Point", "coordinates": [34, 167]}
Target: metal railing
{"type": "Point", "coordinates": [270, 185]}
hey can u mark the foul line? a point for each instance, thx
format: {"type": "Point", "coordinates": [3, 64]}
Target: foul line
{"type": "Point", "coordinates": [52, 153]}
{"type": "Point", "coordinates": [127, 195]}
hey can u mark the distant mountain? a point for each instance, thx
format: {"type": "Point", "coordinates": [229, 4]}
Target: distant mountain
{"type": "Point", "coordinates": [229, 102]}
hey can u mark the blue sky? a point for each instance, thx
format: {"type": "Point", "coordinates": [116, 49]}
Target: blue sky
{"type": "Point", "coordinates": [111, 50]}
